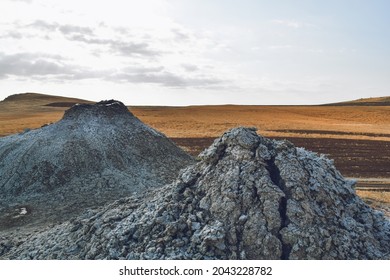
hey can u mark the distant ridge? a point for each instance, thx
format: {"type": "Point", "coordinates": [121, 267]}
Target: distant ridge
{"type": "Point", "coordinates": [43, 99]}
{"type": "Point", "coordinates": [371, 101]}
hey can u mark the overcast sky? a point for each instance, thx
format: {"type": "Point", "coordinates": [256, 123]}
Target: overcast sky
{"type": "Point", "coordinates": [182, 52]}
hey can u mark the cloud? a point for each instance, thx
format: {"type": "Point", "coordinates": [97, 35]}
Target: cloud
{"type": "Point", "coordinates": [12, 34]}
{"type": "Point", "coordinates": [180, 35]}
{"type": "Point", "coordinates": [63, 28]}
{"type": "Point", "coordinates": [130, 48]}
{"type": "Point", "coordinates": [120, 47]}
{"type": "Point", "coordinates": [27, 64]}
{"type": "Point", "coordinates": [142, 69]}
{"type": "Point", "coordinates": [39, 66]}
{"type": "Point", "coordinates": [165, 78]}
{"type": "Point", "coordinates": [69, 29]}
{"type": "Point", "coordinates": [153, 56]}
{"type": "Point", "coordinates": [190, 67]}
{"type": "Point", "coordinates": [43, 25]}
{"type": "Point", "coordinates": [88, 40]}
{"type": "Point", "coordinates": [87, 35]}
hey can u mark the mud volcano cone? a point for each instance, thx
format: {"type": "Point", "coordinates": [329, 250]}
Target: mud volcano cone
{"type": "Point", "coordinates": [93, 155]}
{"type": "Point", "coordinates": [248, 198]}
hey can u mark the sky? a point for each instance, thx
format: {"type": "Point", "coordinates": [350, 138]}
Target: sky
{"type": "Point", "coordinates": [193, 52]}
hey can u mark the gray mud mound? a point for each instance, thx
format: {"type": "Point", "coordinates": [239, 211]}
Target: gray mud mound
{"type": "Point", "coordinates": [247, 198]}
{"type": "Point", "coordinates": [93, 155]}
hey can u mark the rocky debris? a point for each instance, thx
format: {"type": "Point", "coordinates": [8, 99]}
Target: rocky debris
{"type": "Point", "coordinates": [247, 198]}
{"type": "Point", "coordinates": [95, 154]}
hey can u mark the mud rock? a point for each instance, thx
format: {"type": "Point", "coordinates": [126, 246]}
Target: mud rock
{"type": "Point", "coordinates": [93, 155]}
{"type": "Point", "coordinates": [248, 198]}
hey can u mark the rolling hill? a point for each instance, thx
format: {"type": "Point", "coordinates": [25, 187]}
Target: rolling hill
{"type": "Point", "coordinates": [371, 101]}
{"type": "Point", "coordinates": [29, 99]}
{"type": "Point", "coordinates": [32, 110]}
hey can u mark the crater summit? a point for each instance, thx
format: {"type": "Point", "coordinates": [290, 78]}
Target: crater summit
{"type": "Point", "coordinates": [103, 110]}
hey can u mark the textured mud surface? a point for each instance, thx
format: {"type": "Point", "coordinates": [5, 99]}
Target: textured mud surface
{"type": "Point", "coordinates": [94, 155]}
{"type": "Point", "coordinates": [247, 198]}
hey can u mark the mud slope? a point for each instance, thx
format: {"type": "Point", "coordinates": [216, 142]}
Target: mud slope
{"type": "Point", "coordinates": [247, 198]}
{"type": "Point", "coordinates": [93, 155]}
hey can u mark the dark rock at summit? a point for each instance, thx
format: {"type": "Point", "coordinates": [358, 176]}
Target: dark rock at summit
{"type": "Point", "coordinates": [104, 111]}
{"type": "Point", "coordinates": [95, 154]}
{"type": "Point", "coordinates": [248, 197]}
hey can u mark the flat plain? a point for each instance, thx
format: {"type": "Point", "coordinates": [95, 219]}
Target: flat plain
{"type": "Point", "coordinates": [355, 134]}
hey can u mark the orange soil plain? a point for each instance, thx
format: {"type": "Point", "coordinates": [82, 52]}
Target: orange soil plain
{"type": "Point", "coordinates": [342, 122]}
{"type": "Point", "coordinates": [350, 122]}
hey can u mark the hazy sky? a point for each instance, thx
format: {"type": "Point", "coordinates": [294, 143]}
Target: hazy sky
{"type": "Point", "coordinates": [181, 52]}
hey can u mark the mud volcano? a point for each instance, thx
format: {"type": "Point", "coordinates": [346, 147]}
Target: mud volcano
{"type": "Point", "coordinates": [247, 198]}
{"type": "Point", "coordinates": [93, 155]}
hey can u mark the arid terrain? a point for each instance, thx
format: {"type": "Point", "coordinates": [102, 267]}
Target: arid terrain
{"type": "Point", "coordinates": [355, 134]}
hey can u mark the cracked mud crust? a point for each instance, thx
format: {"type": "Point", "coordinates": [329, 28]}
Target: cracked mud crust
{"type": "Point", "coordinates": [247, 198]}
